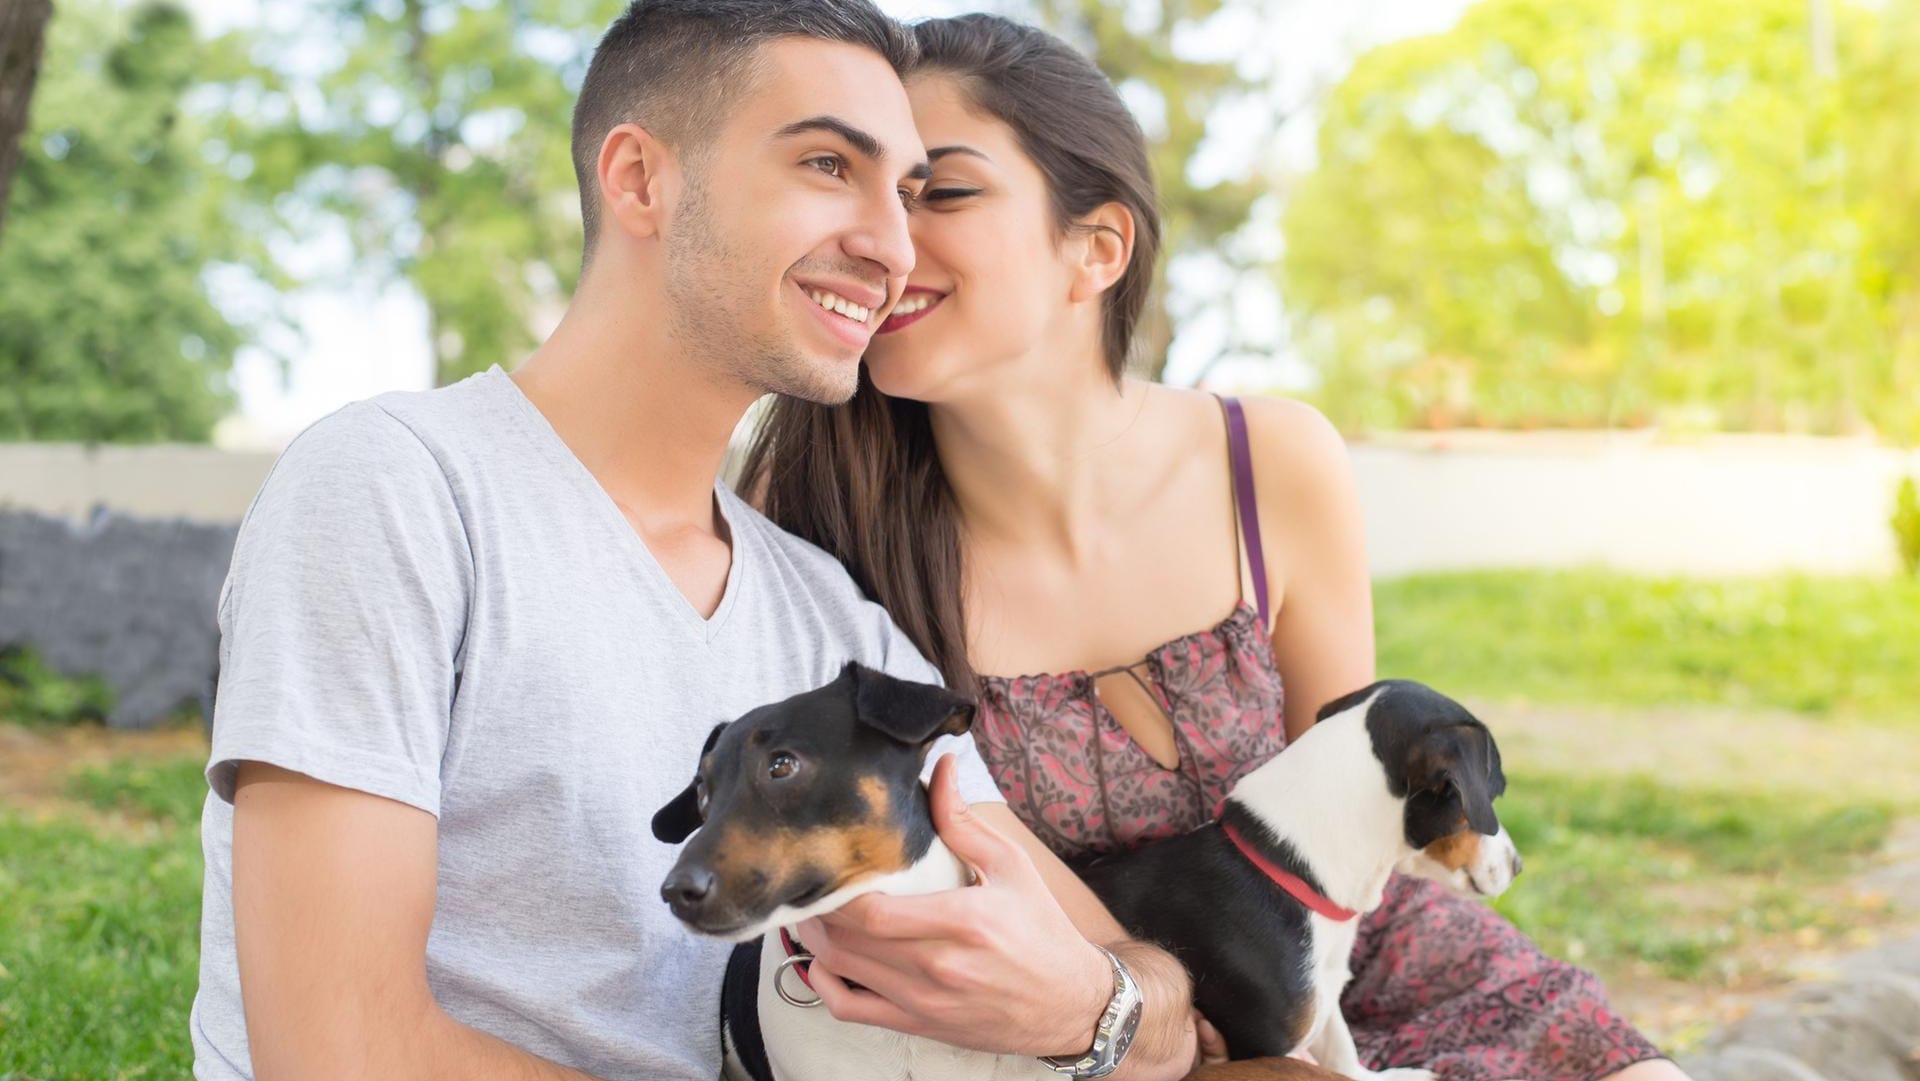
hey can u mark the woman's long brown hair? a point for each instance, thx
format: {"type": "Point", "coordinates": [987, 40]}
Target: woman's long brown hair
{"type": "Point", "coordinates": [863, 480]}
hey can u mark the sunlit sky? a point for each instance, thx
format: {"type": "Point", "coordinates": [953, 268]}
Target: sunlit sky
{"type": "Point", "coordinates": [363, 339]}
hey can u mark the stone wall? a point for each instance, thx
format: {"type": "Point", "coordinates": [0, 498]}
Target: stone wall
{"type": "Point", "coordinates": [126, 599]}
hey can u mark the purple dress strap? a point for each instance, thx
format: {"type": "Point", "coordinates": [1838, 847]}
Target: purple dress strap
{"type": "Point", "coordinates": [1241, 459]}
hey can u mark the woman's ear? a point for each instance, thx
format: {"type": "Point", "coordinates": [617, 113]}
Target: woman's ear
{"type": "Point", "coordinates": [639, 176]}
{"type": "Point", "coordinates": [1104, 252]}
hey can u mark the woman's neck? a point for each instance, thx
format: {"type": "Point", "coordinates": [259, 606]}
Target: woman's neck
{"type": "Point", "coordinates": [1038, 465]}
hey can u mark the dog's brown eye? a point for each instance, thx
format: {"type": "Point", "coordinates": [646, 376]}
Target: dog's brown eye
{"type": "Point", "coordinates": [782, 766]}
{"type": "Point", "coordinates": [700, 796]}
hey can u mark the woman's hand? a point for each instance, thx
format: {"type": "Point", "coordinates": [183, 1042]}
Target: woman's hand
{"type": "Point", "coordinates": [1213, 1046]}
{"type": "Point", "coordinates": [996, 967]}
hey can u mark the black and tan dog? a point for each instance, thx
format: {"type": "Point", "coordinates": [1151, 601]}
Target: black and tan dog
{"type": "Point", "coordinates": [1262, 905]}
{"type": "Point", "coordinates": [802, 806]}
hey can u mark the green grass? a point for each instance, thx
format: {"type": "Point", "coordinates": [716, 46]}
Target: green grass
{"type": "Point", "coordinates": [34, 695]}
{"type": "Point", "coordinates": [169, 789]}
{"type": "Point", "coordinates": [99, 944]}
{"type": "Point", "coordinates": [1623, 869]}
{"type": "Point", "coordinates": [1820, 646]}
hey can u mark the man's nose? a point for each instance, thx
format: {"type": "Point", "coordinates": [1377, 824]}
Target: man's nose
{"type": "Point", "coordinates": [882, 238]}
{"type": "Point", "coordinates": [687, 890]}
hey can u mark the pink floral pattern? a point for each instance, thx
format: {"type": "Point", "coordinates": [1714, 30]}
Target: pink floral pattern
{"type": "Point", "coordinates": [1439, 981]}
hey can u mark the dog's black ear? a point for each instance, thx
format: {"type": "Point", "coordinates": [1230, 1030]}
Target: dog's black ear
{"type": "Point", "coordinates": [909, 712]}
{"type": "Point", "coordinates": [681, 816]}
{"type": "Point", "coordinates": [1345, 702]}
{"type": "Point", "coordinates": [1455, 774]}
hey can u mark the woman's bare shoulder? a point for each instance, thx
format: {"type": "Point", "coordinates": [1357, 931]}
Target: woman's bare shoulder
{"type": "Point", "coordinates": [1297, 452]}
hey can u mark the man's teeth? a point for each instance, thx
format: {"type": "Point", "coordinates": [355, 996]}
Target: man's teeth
{"type": "Point", "coordinates": [919, 302]}
{"type": "Point", "coordinates": [834, 302]}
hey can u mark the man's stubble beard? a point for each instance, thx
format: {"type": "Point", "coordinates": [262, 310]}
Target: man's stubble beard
{"type": "Point", "coordinates": [709, 300]}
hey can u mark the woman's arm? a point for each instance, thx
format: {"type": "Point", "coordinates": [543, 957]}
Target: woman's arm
{"type": "Point", "coordinates": [1315, 541]}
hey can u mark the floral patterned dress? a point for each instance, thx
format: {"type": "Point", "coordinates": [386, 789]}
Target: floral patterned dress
{"type": "Point", "coordinates": [1439, 981]}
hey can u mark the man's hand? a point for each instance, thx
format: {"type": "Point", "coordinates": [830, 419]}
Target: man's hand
{"type": "Point", "coordinates": [997, 967]}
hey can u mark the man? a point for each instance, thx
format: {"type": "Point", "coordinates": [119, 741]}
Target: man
{"type": "Point", "coordinates": [473, 637]}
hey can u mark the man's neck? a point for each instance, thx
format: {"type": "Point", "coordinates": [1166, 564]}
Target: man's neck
{"type": "Point", "coordinates": [650, 425]}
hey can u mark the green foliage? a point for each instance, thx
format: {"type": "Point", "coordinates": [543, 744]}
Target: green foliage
{"type": "Point", "coordinates": [1618, 869]}
{"type": "Point", "coordinates": [1133, 44]}
{"type": "Point", "coordinates": [1822, 646]}
{"type": "Point", "coordinates": [1906, 524]}
{"type": "Point", "coordinates": [1598, 213]}
{"type": "Point", "coordinates": [99, 951]}
{"type": "Point", "coordinates": [169, 790]}
{"type": "Point", "coordinates": [438, 132]}
{"type": "Point", "coordinates": [33, 694]}
{"type": "Point", "coordinates": [107, 328]}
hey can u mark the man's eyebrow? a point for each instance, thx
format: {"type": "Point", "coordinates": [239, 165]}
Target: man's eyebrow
{"type": "Point", "coordinates": [939, 152]}
{"type": "Point", "coordinates": [866, 144]}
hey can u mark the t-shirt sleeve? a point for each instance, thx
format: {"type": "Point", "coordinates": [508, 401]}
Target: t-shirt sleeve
{"type": "Point", "coordinates": [904, 661]}
{"type": "Point", "coordinates": [343, 614]}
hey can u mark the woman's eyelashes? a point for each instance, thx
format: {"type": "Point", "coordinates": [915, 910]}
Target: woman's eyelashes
{"type": "Point", "coordinates": [946, 195]}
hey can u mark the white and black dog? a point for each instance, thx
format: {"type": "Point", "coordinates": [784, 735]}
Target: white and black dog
{"type": "Point", "coordinates": [805, 804]}
{"type": "Point", "coordinates": [1262, 905]}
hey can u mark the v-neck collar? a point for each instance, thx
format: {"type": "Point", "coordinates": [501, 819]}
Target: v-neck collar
{"type": "Point", "coordinates": [542, 433]}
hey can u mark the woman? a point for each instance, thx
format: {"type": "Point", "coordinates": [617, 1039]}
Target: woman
{"type": "Point", "coordinates": [1164, 563]}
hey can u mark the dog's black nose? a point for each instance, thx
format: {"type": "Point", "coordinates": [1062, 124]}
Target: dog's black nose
{"type": "Point", "coordinates": [687, 887]}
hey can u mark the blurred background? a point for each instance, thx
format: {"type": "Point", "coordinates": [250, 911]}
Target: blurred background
{"type": "Point", "coordinates": [1618, 303]}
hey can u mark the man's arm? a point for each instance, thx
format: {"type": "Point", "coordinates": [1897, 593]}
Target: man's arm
{"type": "Point", "coordinates": [1007, 966]}
{"type": "Point", "coordinates": [333, 894]}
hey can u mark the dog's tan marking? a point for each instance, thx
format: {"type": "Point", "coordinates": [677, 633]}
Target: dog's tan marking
{"type": "Point", "coordinates": [842, 854]}
{"type": "Point", "coordinates": [1456, 850]}
{"type": "Point", "coordinates": [879, 801]}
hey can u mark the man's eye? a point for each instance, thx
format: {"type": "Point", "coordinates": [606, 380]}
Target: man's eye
{"type": "Point", "coordinates": [783, 766]}
{"type": "Point", "coordinates": [830, 164]}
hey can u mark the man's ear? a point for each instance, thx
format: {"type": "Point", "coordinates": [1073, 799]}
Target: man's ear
{"type": "Point", "coordinates": [681, 816]}
{"type": "Point", "coordinates": [640, 178]}
{"type": "Point", "coordinates": [1103, 250]}
{"type": "Point", "coordinates": [909, 712]}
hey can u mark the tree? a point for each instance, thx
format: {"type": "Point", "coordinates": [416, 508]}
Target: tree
{"type": "Point", "coordinates": [1177, 98]}
{"type": "Point", "coordinates": [439, 135]}
{"type": "Point", "coordinates": [1598, 213]}
{"type": "Point", "coordinates": [107, 328]}
{"type": "Point", "coordinates": [23, 25]}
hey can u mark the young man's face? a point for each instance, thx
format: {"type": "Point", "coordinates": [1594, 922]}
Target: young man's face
{"type": "Point", "coordinates": [789, 244]}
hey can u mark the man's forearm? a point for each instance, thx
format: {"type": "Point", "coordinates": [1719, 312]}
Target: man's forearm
{"type": "Point", "coordinates": [426, 1046]}
{"type": "Point", "coordinates": [1163, 1049]}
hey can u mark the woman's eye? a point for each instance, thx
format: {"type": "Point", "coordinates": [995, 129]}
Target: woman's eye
{"type": "Point", "coordinates": [782, 766]}
{"type": "Point", "coordinates": [830, 164]}
{"type": "Point", "coordinates": [946, 195]}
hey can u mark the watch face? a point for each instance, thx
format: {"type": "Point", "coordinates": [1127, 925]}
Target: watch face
{"type": "Point", "coordinates": [1123, 1036]}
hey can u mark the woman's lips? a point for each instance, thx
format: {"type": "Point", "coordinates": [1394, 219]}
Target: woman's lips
{"type": "Point", "coordinates": [897, 321]}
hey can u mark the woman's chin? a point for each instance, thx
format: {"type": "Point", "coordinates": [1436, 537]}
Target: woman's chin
{"type": "Point", "coordinates": [897, 376]}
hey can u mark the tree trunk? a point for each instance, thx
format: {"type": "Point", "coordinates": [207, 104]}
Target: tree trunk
{"type": "Point", "coordinates": [23, 31]}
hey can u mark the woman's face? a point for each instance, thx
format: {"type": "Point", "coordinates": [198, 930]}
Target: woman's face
{"type": "Point", "coordinates": [990, 281]}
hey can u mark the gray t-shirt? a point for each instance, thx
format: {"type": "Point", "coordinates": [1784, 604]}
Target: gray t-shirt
{"type": "Point", "coordinates": [433, 601]}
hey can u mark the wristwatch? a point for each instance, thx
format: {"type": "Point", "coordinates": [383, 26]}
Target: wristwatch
{"type": "Point", "coordinates": [1113, 1036]}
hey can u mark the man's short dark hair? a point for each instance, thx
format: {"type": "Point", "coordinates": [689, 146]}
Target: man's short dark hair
{"type": "Point", "coordinates": [676, 67]}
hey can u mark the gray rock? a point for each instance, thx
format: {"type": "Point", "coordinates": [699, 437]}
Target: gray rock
{"type": "Point", "coordinates": [1862, 1026]}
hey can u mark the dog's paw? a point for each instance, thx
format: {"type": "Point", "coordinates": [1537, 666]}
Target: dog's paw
{"type": "Point", "coordinates": [1406, 1074]}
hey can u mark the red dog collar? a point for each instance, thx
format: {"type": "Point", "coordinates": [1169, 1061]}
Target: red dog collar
{"type": "Point", "coordinates": [1292, 883]}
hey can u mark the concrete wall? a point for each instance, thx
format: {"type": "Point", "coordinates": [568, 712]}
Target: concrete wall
{"type": "Point", "coordinates": [1714, 506]}
{"type": "Point", "coordinates": [1717, 505]}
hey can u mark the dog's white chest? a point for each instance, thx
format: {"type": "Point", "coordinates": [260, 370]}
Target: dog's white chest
{"type": "Point", "coordinates": [811, 1045]}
